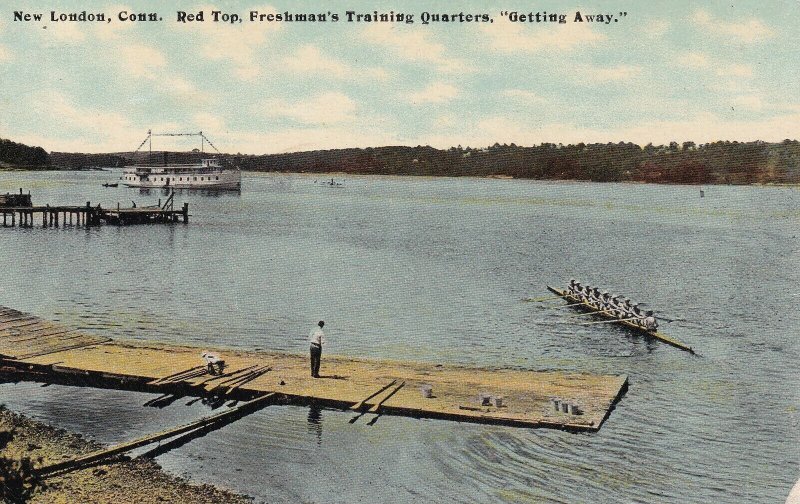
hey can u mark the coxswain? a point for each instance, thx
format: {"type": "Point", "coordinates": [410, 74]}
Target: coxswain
{"type": "Point", "coordinates": [650, 322]}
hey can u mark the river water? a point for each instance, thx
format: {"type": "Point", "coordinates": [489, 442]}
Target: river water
{"type": "Point", "coordinates": [435, 269]}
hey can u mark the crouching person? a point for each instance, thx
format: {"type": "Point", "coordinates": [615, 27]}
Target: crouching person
{"type": "Point", "coordinates": [214, 364]}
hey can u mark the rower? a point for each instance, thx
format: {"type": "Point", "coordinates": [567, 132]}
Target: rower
{"type": "Point", "coordinates": [627, 308]}
{"type": "Point", "coordinates": [616, 302]}
{"type": "Point", "coordinates": [637, 312]}
{"type": "Point", "coordinates": [606, 300]}
{"type": "Point", "coordinates": [571, 287]}
{"type": "Point", "coordinates": [650, 322]}
{"type": "Point", "coordinates": [597, 297]}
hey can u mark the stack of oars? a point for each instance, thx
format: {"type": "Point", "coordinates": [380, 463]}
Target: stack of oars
{"type": "Point", "coordinates": [237, 381]}
{"type": "Point", "coordinates": [181, 375]}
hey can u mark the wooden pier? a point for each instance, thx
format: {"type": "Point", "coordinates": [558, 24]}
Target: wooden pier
{"type": "Point", "coordinates": [34, 349]}
{"type": "Point", "coordinates": [84, 216]}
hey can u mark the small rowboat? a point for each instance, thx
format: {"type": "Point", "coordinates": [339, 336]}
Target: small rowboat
{"type": "Point", "coordinates": [654, 334]}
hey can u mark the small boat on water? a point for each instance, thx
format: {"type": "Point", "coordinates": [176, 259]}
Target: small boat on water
{"type": "Point", "coordinates": [207, 173]}
{"type": "Point", "coordinates": [580, 303]}
{"type": "Point", "coordinates": [331, 183]}
{"type": "Point", "coordinates": [107, 184]}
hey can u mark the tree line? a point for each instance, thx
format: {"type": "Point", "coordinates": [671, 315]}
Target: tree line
{"type": "Point", "coordinates": [687, 163]}
{"type": "Point", "coordinates": [722, 162]}
{"type": "Point", "coordinates": [17, 154]}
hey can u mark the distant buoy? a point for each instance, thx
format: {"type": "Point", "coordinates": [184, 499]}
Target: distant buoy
{"type": "Point", "coordinates": [702, 193]}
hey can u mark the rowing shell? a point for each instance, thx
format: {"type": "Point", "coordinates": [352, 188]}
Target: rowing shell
{"type": "Point", "coordinates": [655, 334]}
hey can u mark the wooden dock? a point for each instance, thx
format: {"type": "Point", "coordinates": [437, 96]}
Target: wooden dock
{"type": "Point", "coordinates": [34, 349]}
{"type": "Point", "coordinates": [26, 216]}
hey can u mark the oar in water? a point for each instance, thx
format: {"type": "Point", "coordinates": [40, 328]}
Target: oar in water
{"type": "Point", "coordinates": [559, 307]}
{"type": "Point", "coordinates": [539, 300]}
{"type": "Point", "coordinates": [595, 312]}
{"type": "Point", "coordinates": [609, 321]}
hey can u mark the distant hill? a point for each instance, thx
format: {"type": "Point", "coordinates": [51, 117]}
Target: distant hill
{"type": "Point", "coordinates": [712, 163]}
{"type": "Point", "coordinates": [17, 155]}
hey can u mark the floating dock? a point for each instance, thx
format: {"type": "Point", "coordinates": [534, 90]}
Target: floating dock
{"type": "Point", "coordinates": [34, 349]}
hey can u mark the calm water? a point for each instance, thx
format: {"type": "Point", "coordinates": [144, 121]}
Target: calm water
{"type": "Point", "coordinates": [435, 270]}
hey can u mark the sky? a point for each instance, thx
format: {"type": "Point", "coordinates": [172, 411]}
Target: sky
{"type": "Point", "coordinates": [673, 71]}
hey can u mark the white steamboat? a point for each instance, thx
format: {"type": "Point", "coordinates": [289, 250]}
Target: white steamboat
{"type": "Point", "coordinates": [207, 173]}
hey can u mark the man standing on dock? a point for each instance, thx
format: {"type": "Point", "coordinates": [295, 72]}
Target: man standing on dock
{"type": "Point", "coordinates": [316, 339]}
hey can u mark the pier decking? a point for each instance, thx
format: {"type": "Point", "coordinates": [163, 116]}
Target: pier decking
{"type": "Point", "coordinates": [31, 348]}
{"type": "Point", "coordinates": [17, 210]}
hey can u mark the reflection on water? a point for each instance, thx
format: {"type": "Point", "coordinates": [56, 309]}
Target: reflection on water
{"type": "Point", "coordinates": [315, 422]}
{"type": "Point", "coordinates": [183, 191]}
{"type": "Point", "coordinates": [434, 270]}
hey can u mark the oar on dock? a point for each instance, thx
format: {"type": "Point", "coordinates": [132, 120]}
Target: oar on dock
{"type": "Point", "coordinates": [250, 378]}
{"type": "Point", "coordinates": [377, 406]}
{"type": "Point", "coordinates": [177, 375]}
{"type": "Point", "coordinates": [359, 405]}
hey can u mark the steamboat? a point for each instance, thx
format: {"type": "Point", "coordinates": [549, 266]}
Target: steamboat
{"type": "Point", "coordinates": [205, 173]}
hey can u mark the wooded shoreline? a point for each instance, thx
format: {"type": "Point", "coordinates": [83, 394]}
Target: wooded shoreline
{"type": "Point", "coordinates": [724, 162]}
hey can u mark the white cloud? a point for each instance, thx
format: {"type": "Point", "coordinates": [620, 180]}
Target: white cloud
{"type": "Point", "coordinates": [748, 102]}
{"type": "Point", "coordinates": [656, 29]}
{"type": "Point", "coordinates": [524, 96]}
{"type": "Point", "coordinates": [436, 92]}
{"type": "Point", "coordinates": [735, 70]}
{"type": "Point", "coordinates": [414, 45]}
{"type": "Point", "coordinates": [207, 121]}
{"type": "Point", "coordinates": [619, 73]}
{"type": "Point", "coordinates": [115, 29]}
{"type": "Point", "coordinates": [66, 33]}
{"type": "Point", "coordinates": [693, 60]}
{"type": "Point", "coordinates": [325, 108]}
{"type": "Point", "coordinates": [138, 60]}
{"type": "Point", "coordinates": [701, 128]}
{"type": "Point", "coordinates": [237, 45]}
{"type": "Point", "coordinates": [309, 59]}
{"type": "Point", "coordinates": [750, 31]}
{"type": "Point", "coordinates": [375, 133]}
{"type": "Point", "coordinates": [508, 37]}
{"type": "Point", "coordinates": [97, 130]}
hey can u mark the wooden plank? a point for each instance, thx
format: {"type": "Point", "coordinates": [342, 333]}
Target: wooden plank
{"type": "Point", "coordinates": [360, 404]}
{"type": "Point", "coordinates": [63, 349]}
{"type": "Point", "coordinates": [20, 322]}
{"type": "Point", "coordinates": [121, 448]}
{"type": "Point", "coordinates": [239, 379]}
{"type": "Point", "coordinates": [377, 406]}
{"type": "Point", "coordinates": [175, 375]}
{"type": "Point", "coordinates": [250, 378]}
{"type": "Point", "coordinates": [40, 337]}
{"type": "Point", "coordinates": [226, 375]}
